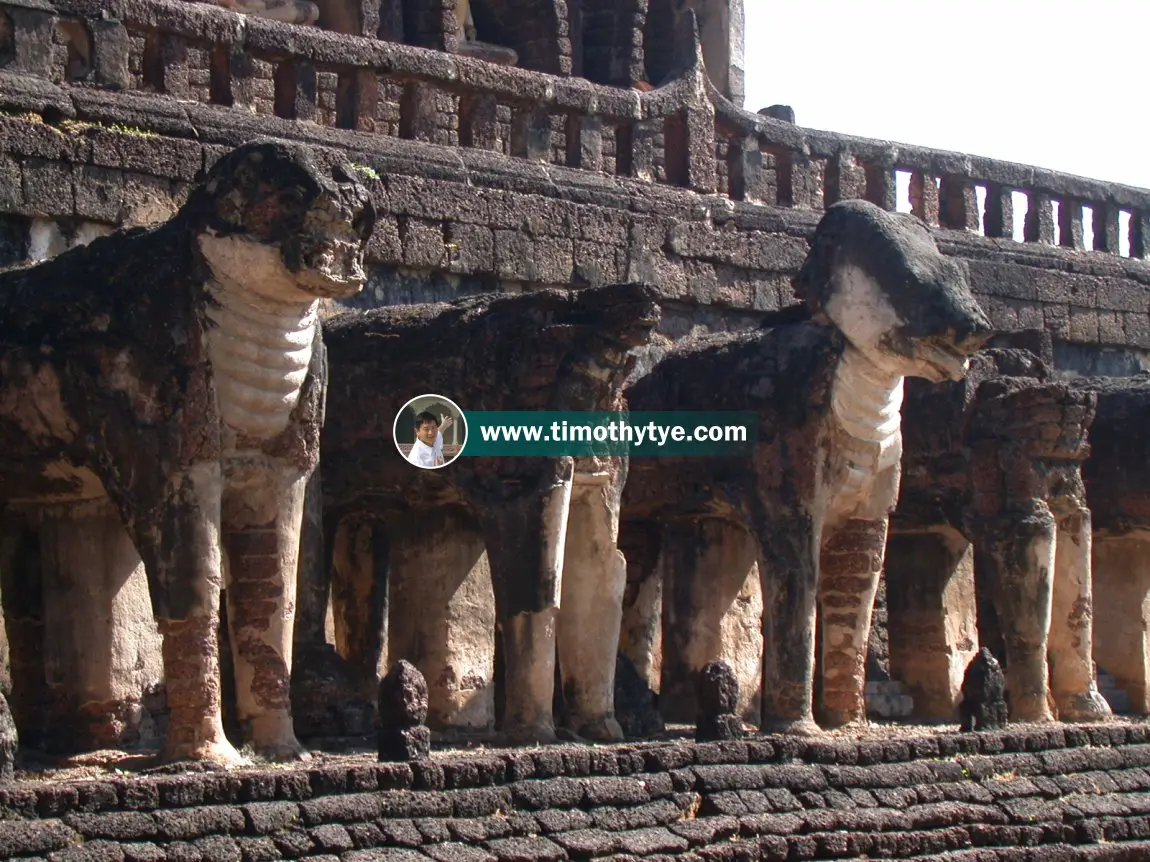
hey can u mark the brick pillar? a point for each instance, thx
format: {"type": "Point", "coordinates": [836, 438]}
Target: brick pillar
{"type": "Point", "coordinates": [849, 569]}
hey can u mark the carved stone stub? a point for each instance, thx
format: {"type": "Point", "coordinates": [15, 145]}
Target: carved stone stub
{"type": "Point", "coordinates": [983, 705]}
{"type": "Point", "coordinates": [718, 696]}
{"type": "Point", "coordinates": [402, 711]}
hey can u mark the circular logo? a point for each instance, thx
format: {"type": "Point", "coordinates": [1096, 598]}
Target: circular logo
{"type": "Point", "coordinates": [430, 431]}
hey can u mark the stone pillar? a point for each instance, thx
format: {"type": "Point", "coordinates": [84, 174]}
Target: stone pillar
{"type": "Point", "coordinates": [591, 607]}
{"type": "Point", "coordinates": [704, 566]}
{"type": "Point", "coordinates": [931, 617]}
{"type": "Point", "coordinates": [442, 616]}
{"type": "Point", "coordinates": [101, 645]}
{"type": "Point", "coordinates": [1121, 569]}
{"type": "Point", "coordinates": [1071, 621]}
{"type": "Point", "coordinates": [641, 631]}
{"type": "Point", "coordinates": [327, 699]}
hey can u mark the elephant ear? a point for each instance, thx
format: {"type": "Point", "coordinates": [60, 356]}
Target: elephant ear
{"type": "Point", "coordinates": [812, 282]}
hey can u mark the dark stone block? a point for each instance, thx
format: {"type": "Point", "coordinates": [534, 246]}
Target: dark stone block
{"type": "Point", "coordinates": [28, 838]}
{"type": "Point", "coordinates": [526, 850]}
{"type": "Point", "coordinates": [404, 744]}
{"type": "Point", "coordinates": [264, 818]}
{"type": "Point", "coordinates": [718, 727]}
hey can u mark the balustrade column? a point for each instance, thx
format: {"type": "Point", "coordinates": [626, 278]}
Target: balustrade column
{"type": "Point", "coordinates": [881, 188]}
{"type": "Point", "coordinates": [924, 197]}
{"type": "Point", "coordinates": [531, 133]}
{"type": "Point", "coordinates": [998, 218]}
{"type": "Point", "coordinates": [478, 121]}
{"type": "Point", "coordinates": [958, 203]}
{"type": "Point", "coordinates": [845, 180]}
{"type": "Point", "coordinates": [1140, 234]}
{"type": "Point", "coordinates": [584, 142]}
{"type": "Point", "coordinates": [1070, 232]}
{"type": "Point", "coordinates": [1106, 228]}
{"type": "Point", "coordinates": [746, 172]}
{"type": "Point", "coordinates": [1039, 224]}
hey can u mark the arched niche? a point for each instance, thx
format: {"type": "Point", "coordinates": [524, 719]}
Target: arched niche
{"type": "Point", "coordinates": [530, 27]}
{"type": "Point", "coordinates": [604, 46]}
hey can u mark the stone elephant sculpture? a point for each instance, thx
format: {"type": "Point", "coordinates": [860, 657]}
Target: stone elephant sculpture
{"type": "Point", "coordinates": [180, 371]}
{"type": "Point", "coordinates": [881, 303]}
{"type": "Point", "coordinates": [548, 524]}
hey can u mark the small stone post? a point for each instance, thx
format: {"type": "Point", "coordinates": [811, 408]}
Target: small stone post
{"type": "Point", "coordinates": [718, 697]}
{"type": "Point", "coordinates": [402, 711]}
{"type": "Point", "coordinates": [983, 705]}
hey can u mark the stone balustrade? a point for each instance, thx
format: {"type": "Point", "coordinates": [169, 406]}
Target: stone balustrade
{"type": "Point", "coordinates": [683, 134]}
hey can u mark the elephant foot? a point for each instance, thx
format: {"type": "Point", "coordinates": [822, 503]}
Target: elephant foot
{"type": "Point", "coordinates": [842, 718]}
{"type": "Point", "coordinates": [602, 729]}
{"type": "Point", "coordinates": [1086, 706]}
{"type": "Point", "coordinates": [273, 738]}
{"type": "Point", "coordinates": [219, 753]}
{"type": "Point", "coordinates": [793, 727]}
{"type": "Point", "coordinates": [1031, 709]}
{"type": "Point", "coordinates": [283, 752]}
{"type": "Point", "coordinates": [541, 733]}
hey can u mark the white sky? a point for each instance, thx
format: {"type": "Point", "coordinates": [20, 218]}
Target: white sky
{"type": "Point", "coordinates": [1020, 80]}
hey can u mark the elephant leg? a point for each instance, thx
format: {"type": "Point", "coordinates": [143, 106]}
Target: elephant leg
{"type": "Point", "coordinates": [790, 573]}
{"type": "Point", "coordinates": [1121, 575]}
{"type": "Point", "coordinates": [360, 595]}
{"type": "Point", "coordinates": [640, 633]}
{"type": "Point", "coordinates": [931, 617]}
{"type": "Point", "coordinates": [105, 653]}
{"type": "Point", "coordinates": [1073, 680]}
{"type": "Point", "coordinates": [850, 565]}
{"type": "Point", "coordinates": [181, 553]}
{"type": "Point", "coordinates": [704, 565]}
{"type": "Point", "coordinates": [262, 562]}
{"type": "Point", "coordinates": [590, 619]}
{"type": "Point", "coordinates": [1016, 561]}
{"type": "Point", "coordinates": [443, 616]}
{"type": "Point", "coordinates": [525, 541]}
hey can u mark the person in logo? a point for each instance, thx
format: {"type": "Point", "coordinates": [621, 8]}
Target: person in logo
{"type": "Point", "coordinates": [428, 448]}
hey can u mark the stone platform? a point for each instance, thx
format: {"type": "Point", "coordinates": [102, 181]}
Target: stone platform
{"type": "Point", "coordinates": [1029, 793]}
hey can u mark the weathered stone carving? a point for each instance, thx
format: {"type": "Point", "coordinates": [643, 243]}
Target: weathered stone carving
{"type": "Point", "coordinates": [883, 304]}
{"type": "Point", "coordinates": [983, 705]}
{"type": "Point", "coordinates": [402, 711]}
{"type": "Point", "coordinates": [718, 696]}
{"type": "Point", "coordinates": [993, 497]}
{"type": "Point", "coordinates": [1117, 478]}
{"type": "Point", "coordinates": [540, 528]}
{"type": "Point", "coordinates": [180, 370]}
{"type": "Point", "coordinates": [1031, 533]}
